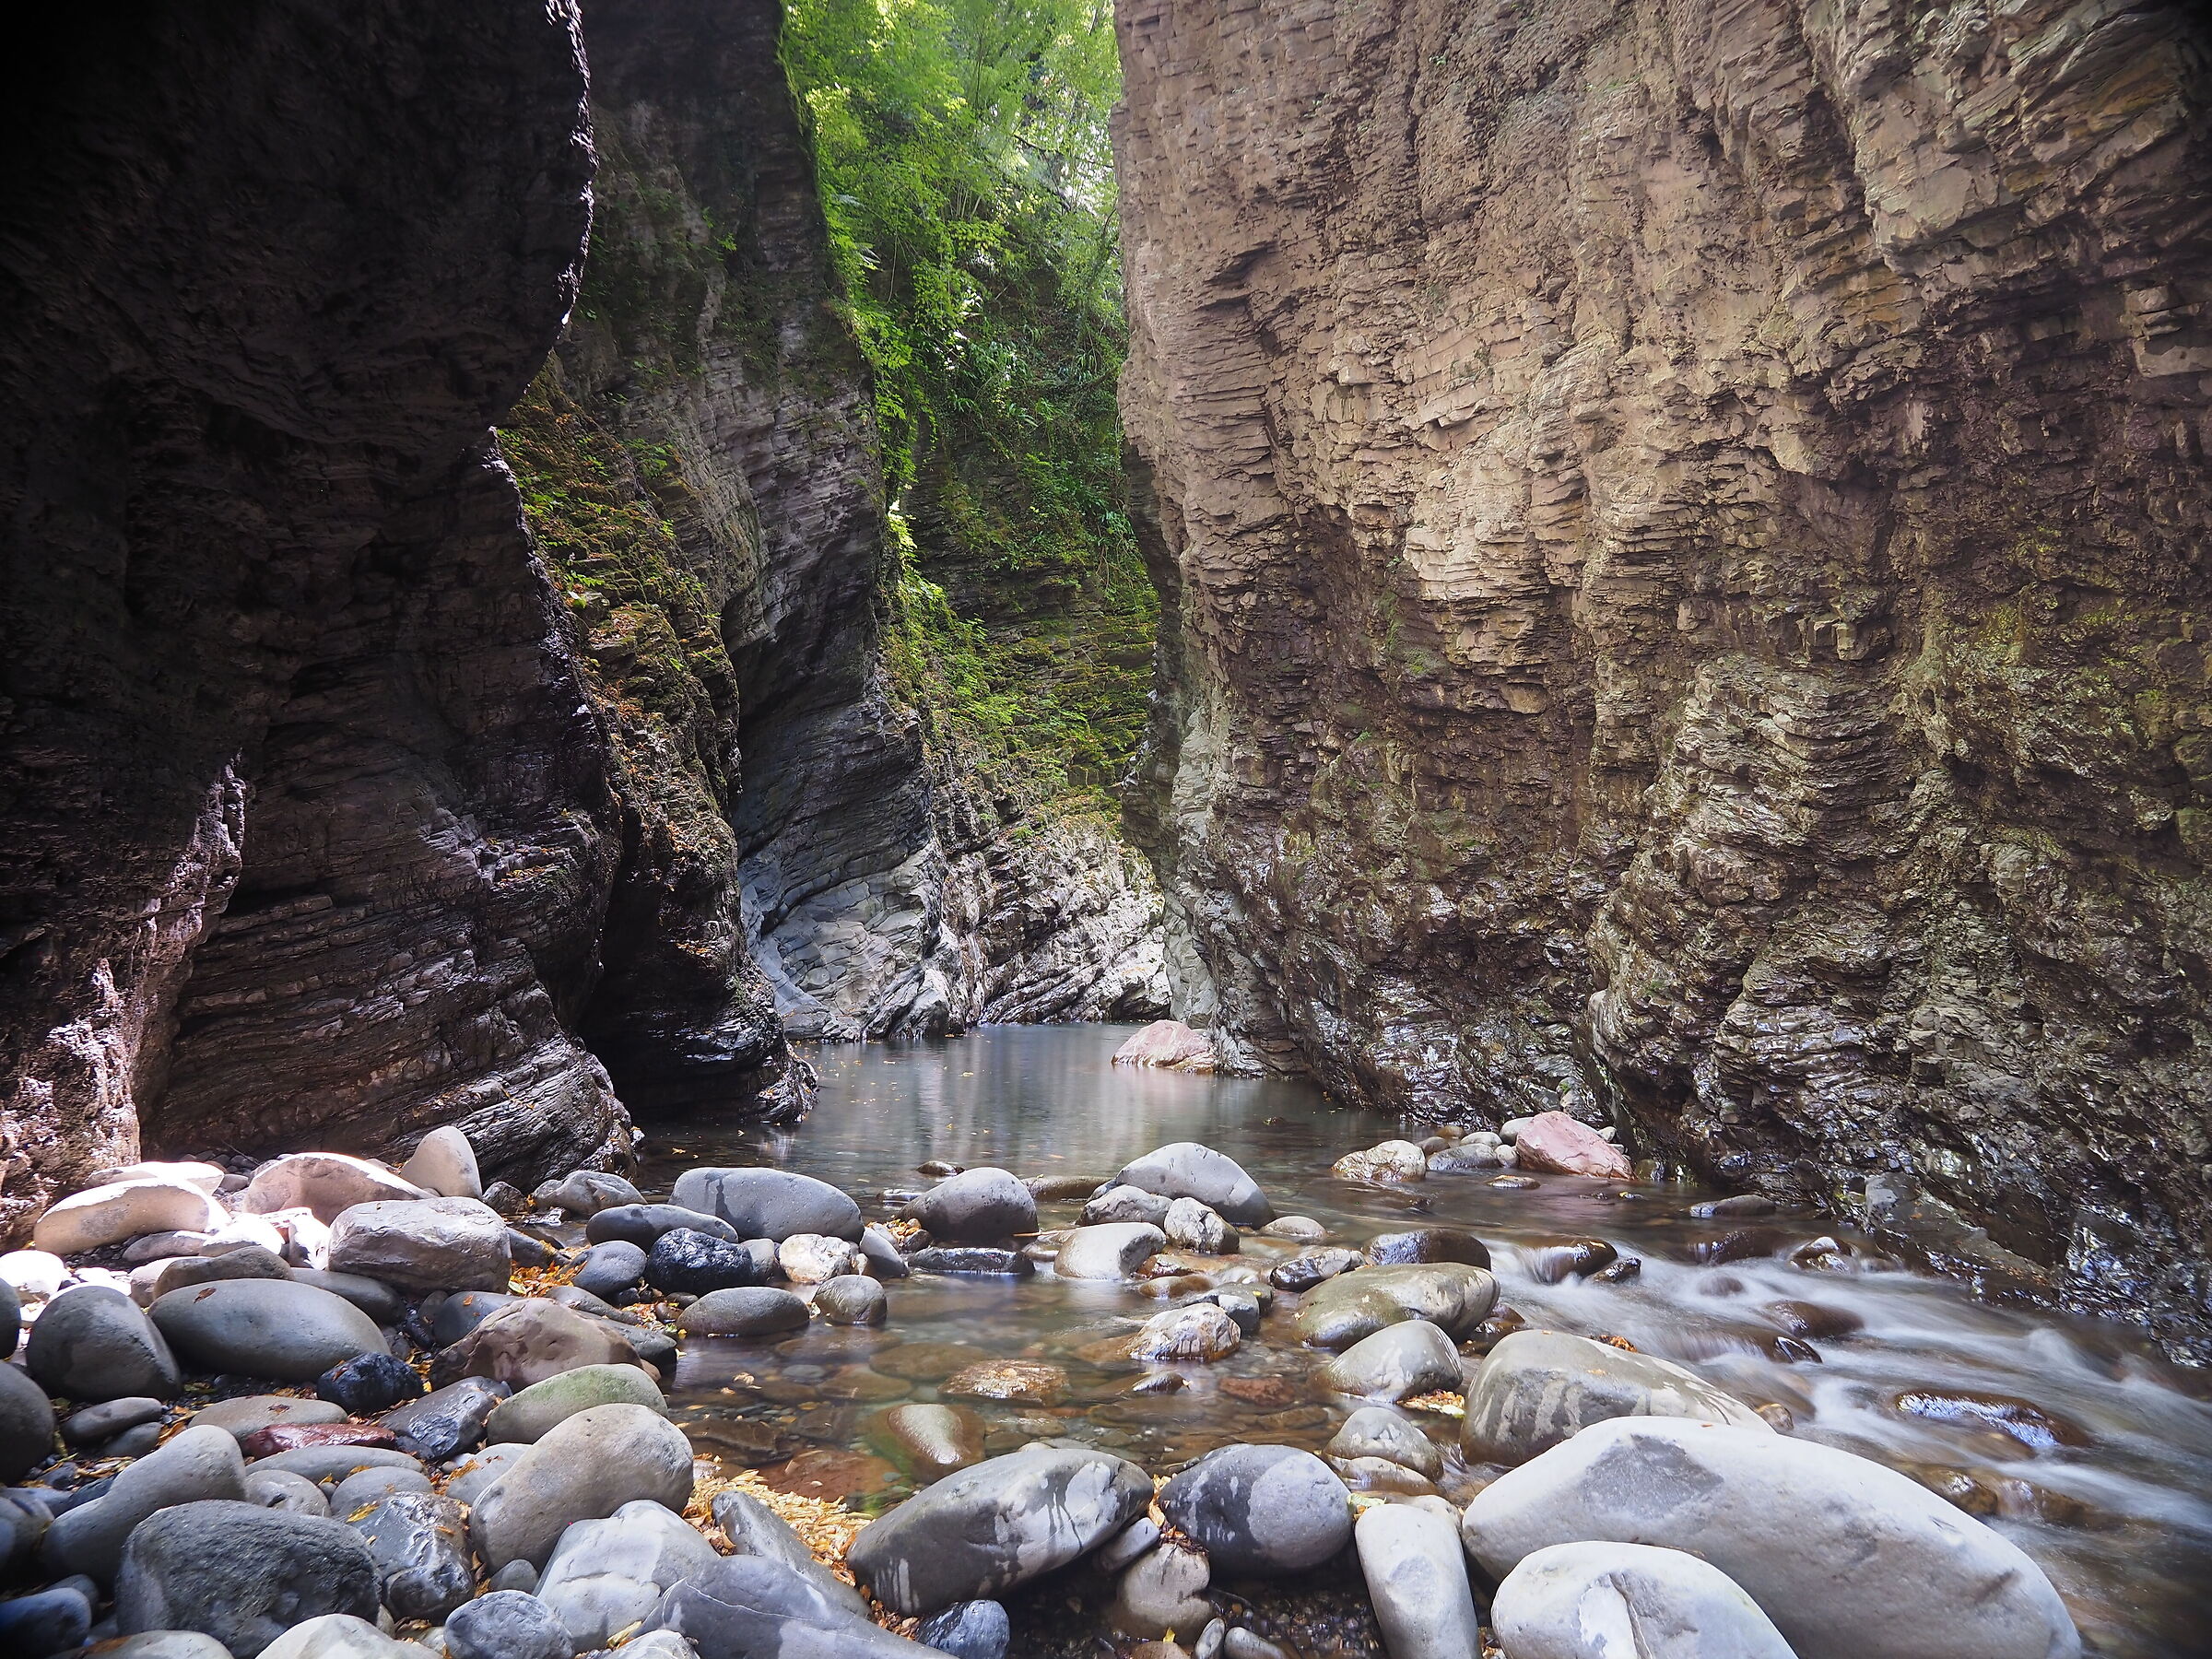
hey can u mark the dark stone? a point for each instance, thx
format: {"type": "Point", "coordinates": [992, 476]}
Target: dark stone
{"type": "Point", "coordinates": [1308, 1268]}
{"type": "Point", "coordinates": [11, 1320]}
{"type": "Point", "coordinates": [1618, 1273]}
{"type": "Point", "coordinates": [695, 1261]}
{"type": "Point", "coordinates": [507, 1624]}
{"type": "Point", "coordinates": [748, 1607]}
{"type": "Point", "coordinates": [53, 1621]}
{"type": "Point", "coordinates": [94, 1343]}
{"type": "Point", "coordinates": [241, 1573]}
{"type": "Point", "coordinates": [609, 1270]}
{"type": "Point", "coordinates": [1263, 1511]}
{"type": "Point", "coordinates": [976, 1207]}
{"type": "Point", "coordinates": [640, 1224]}
{"type": "Point", "coordinates": [769, 1203]}
{"type": "Point", "coordinates": [1549, 1263]}
{"type": "Point", "coordinates": [1741, 1204]}
{"type": "Point", "coordinates": [1428, 1245]}
{"type": "Point", "coordinates": [371, 1384]}
{"type": "Point", "coordinates": [972, 1258]}
{"type": "Point", "coordinates": [458, 1315]}
{"type": "Point", "coordinates": [419, 1541]}
{"type": "Point", "coordinates": [27, 1422]}
{"type": "Point", "coordinates": [969, 1629]}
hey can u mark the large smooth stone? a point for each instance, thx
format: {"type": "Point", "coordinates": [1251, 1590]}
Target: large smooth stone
{"type": "Point", "coordinates": [587, 1467]}
{"type": "Point", "coordinates": [999, 1524]}
{"type": "Point", "coordinates": [976, 1207]}
{"type": "Point", "coordinates": [241, 1573]}
{"type": "Point", "coordinates": [507, 1624]}
{"type": "Point", "coordinates": [641, 1224]}
{"type": "Point", "coordinates": [446, 1421]}
{"type": "Point", "coordinates": [277, 1328]}
{"type": "Point", "coordinates": [586, 1192]}
{"type": "Point", "coordinates": [751, 1608]}
{"type": "Point", "coordinates": [250, 1261]}
{"type": "Point", "coordinates": [93, 1344]}
{"type": "Point", "coordinates": [930, 1441]}
{"type": "Point", "coordinates": [1554, 1141]}
{"type": "Point", "coordinates": [423, 1244]}
{"type": "Point", "coordinates": [1191, 1225]}
{"type": "Point", "coordinates": [52, 1621]}
{"type": "Point", "coordinates": [970, 1630]}
{"type": "Point", "coordinates": [853, 1299]}
{"type": "Point", "coordinates": [475, 1475]}
{"type": "Point", "coordinates": [326, 1466]}
{"type": "Point", "coordinates": [207, 1177]}
{"type": "Point", "coordinates": [1849, 1560]}
{"type": "Point", "coordinates": [816, 1258]}
{"type": "Point", "coordinates": [611, 1268]}
{"type": "Point", "coordinates": [1354, 1305]}
{"type": "Point", "coordinates": [757, 1311]}
{"type": "Point", "coordinates": [381, 1302]}
{"type": "Point", "coordinates": [340, 1636]}
{"type": "Point", "coordinates": [532, 1414]}
{"type": "Point", "coordinates": [1409, 1357]}
{"type": "Point", "coordinates": [607, 1575]}
{"type": "Point", "coordinates": [251, 1413]}
{"type": "Point", "coordinates": [1593, 1601]}
{"type": "Point", "coordinates": [1378, 1431]}
{"type": "Point", "coordinates": [1186, 1170]}
{"type": "Point", "coordinates": [198, 1463]}
{"type": "Point", "coordinates": [420, 1542]}
{"type": "Point", "coordinates": [1127, 1203]}
{"type": "Point", "coordinates": [1428, 1245]}
{"type": "Point", "coordinates": [26, 1423]}
{"type": "Point", "coordinates": [164, 1644]}
{"type": "Point", "coordinates": [1416, 1578]}
{"type": "Point", "coordinates": [528, 1340]}
{"type": "Point", "coordinates": [769, 1203]}
{"type": "Point", "coordinates": [754, 1529]}
{"type": "Point", "coordinates": [1262, 1511]}
{"type": "Point", "coordinates": [1536, 1388]}
{"type": "Point", "coordinates": [444, 1163]}
{"type": "Point", "coordinates": [695, 1263]}
{"type": "Point", "coordinates": [323, 1183]}
{"type": "Point", "coordinates": [123, 1209]}
{"type": "Point", "coordinates": [1111, 1250]}
{"type": "Point", "coordinates": [1201, 1331]}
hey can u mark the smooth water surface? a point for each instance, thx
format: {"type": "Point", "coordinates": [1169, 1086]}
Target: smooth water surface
{"type": "Point", "coordinates": [2107, 1482]}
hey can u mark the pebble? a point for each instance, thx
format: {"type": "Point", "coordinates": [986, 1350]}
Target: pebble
{"type": "Point", "coordinates": [1128, 1544]}
{"type": "Point", "coordinates": [586, 1467]}
{"type": "Point", "coordinates": [51, 1621]}
{"type": "Point", "coordinates": [1262, 1511]}
{"type": "Point", "coordinates": [423, 1244]}
{"type": "Point", "coordinates": [444, 1162]}
{"type": "Point", "coordinates": [198, 1463]}
{"type": "Point", "coordinates": [420, 1542]}
{"type": "Point", "coordinates": [34, 1275]}
{"type": "Point", "coordinates": [983, 1205]}
{"type": "Point", "coordinates": [694, 1263]}
{"type": "Point", "coordinates": [1417, 1580]}
{"type": "Point", "coordinates": [853, 1299]}
{"type": "Point", "coordinates": [1025, 1381]}
{"type": "Point", "coordinates": [528, 1415]}
{"type": "Point", "coordinates": [275, 1328]}
{"type": "Point", "coordinates": [1111, 1250]}
{"type": "Point", "coordinates": [607, 1576]}
{"type": "Point", "coordinates": [507, 1624]}
{"type": "Point", "coordinates": [94, 1344]}
{"type": "Point", "coordinates": [98, 1423]}
{"type": "Point", "coordinates": [1584, 1600]}
{"type": "Point", "coordinates": [769, 1203]}
{"type": "Point", "coordinates": [880, 1255]}
{"type": "Point", "coordinates": [759, 1311]}
{"type": "Point", "coordinates": [27, 1422]}
{"type": "Point", "coordinates": [816, 1258]}
{"type": "Point", "coordinates": [370, 1383]}
{"type": "Point", "coordinates": [241, 1573]}
{"type": "Point", "coordinates": [11, 1320]}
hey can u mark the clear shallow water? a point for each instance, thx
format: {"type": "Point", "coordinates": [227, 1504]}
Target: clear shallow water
{"type": "Point", "coordinates": [2122, 1520]}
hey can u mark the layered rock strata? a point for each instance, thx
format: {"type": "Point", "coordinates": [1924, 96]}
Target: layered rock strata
{"type": "Point", "coordinates": [1684, 522]}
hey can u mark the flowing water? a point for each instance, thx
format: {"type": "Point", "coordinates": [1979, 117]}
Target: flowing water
{"type": "Point", "coordinates": [2106, 1480]}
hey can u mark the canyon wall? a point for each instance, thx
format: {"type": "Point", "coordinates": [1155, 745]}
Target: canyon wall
{"type": "Point", "coordinates": [1684, 528]}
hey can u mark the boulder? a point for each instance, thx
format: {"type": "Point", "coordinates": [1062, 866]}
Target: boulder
{"type": "Point", "coordinates": [769, 1203]}
{"type": "Point", "coordinates": [880, 1255]}
{"type": "Point", "coordinates": [1186, 1170]}
{"type": "Point", "coordinates": [1378, 1431]}
{"type": "Point", "coordinates": [526, 1341]}
{"type": "Point", "coordinates": [444, 1163]}
{"type": "Point", "coordinates": [277, 1328]}
{"type": "Point", "coordinates": [420, 1542]}
{"type": "Point", "coordinates": [94, 1343]}
{"type": "Point", "coordinates": [250, 1261]}
{"type": "Point", "coordinates": [1301, 1272]}
{"type": "Point", "coordinates": [759, 1311]}
{"type": "Point", "coordinates": [381, 1302]}
{"type": "Point", "coordinates": [1127, 1203]}
{"type": "Point", "coordinates": [1392, 1160]}
{"type": "Point", "coordinates": [605, 1576]}
{"type": "Point", "coordinates": [531, 1414]}
{"type": "Point", "coordinates": [1553, 1141]}
{"type": "Point", "coordinates": [586, 1192]}
{"type": "Point", "coordinates": [1416, 1579]}
{"type": "Point", "coordinates": [1197, 1331]}
{"type": "Point", "coordinates": [641, 1224]}
{"type": "Point", "coordinates": [693, 1264]}
{"type": "Point", "coordinates": [95, 1424]}
{"type": "Point", "coordinates": [340, 1636]}
{"type": "Point", "coordinates": [323, 1183]}
{"type": "Point", "coordinates": [1851, 1561]}
{"type": "Point", "coordinates": [248, 1414]}
{"type": "Point", "coordinates": [199, 1464]}
{"type": "Point", "coordinates": [996, 1525]}
{"type": "Point", "coordinates": [1191, 1225]}
{"type": "Point", "coordinates": [747, 1607]}
{"type": "Point", "coordinates": [1589, 1601]}
{"type": "Point", "coordinates": [1428, 1245]}
{"type": "Point", "coordinates": [278, 1490]}
{"type": "Point", "coordinates": [125, 1210]}
{"type": "Point", "coordinates": [52, 1621]}
{"type": "Point", "coordinates": [507, 1624]}
{"type": "Point", "coordinates": [448, 1420]}
{"type": "Point", "coordinates": [1260, 1511]}
{"type": "Point", "coordinates": [611, 1268]}
{"type": "Point", "coordinates": [1110, 1249]}
{"type": "Point", "coordinates": [27, 1423]}
{"type": "Point", "coordinates": [1169, 1044]}
{"type": "Point", "coordinates": [969, 1629]}
{"type": "Point", "coordinates": [972, 1258]}
{"type": "Point", "coordinates": [1536, 1388]}
{"type": "Point", "coordinates": [586, 1467]}
{"type": "Point", "coordinates": [754, 1529]}
{"type": "Point", "coordinates": [976, 1207]}
{"type": "Point", "coordinates": [853, 1299]}
{"type": "Point", "coordinates": [370, 1383]}
{"type": "Point", "coordinates": [1161, 1591]}
{"type": "Point", "coordinates": [423, 1244]}
{"type": "Point", "coordinates": [816, 1258]}
{"type": "Point", "coordinates": [1346, 1309]}
{"type": "Point", "coordinates": [1410, 1357]}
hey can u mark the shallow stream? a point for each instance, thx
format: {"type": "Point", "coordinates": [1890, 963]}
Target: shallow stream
{"type": "Point", "coordinates": [2105, 1477]}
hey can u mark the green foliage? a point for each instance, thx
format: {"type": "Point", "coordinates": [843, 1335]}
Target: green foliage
{"type": "Point", "coordinates": [968, 182]}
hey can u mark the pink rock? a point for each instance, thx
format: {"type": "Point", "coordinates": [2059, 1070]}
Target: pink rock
{"type": "Point", "coordinates": [1167, 1042]}
{"type": "Point", "coordinates": [1552, 1140]}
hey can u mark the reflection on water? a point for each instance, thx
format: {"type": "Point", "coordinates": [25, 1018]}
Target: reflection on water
{"type": "Point", "coordinates": [2096, 1456]}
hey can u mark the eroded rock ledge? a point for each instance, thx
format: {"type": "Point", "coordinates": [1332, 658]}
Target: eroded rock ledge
{"type": "Point", "coordinates": [1687, 523]}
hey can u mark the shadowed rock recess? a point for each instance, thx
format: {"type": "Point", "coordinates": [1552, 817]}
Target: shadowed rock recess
{"type": "Point", "coordinates": [1683, 526]}
{"type": "Point", "coordinates": [347, 789]}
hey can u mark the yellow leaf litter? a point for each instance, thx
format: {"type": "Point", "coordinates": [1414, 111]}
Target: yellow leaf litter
{"type": "Point", "coordinates": [827, 1529]}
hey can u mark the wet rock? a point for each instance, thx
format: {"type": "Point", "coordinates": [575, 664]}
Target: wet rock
{"type": "Point", "coordinates": [1428, 1245]}
{"type": "Point", "coordinates": [1575, 1258]}
{"type": "Point", "coordinates": [27, 1422]}
{"type": "Point", "coordinates": [853, 1299]}
{"type": "Point", "coordinates": [1416, 1578]}
{"type": "Point", "coordinates": [420, 1542]}
{"type": "Point", "coordinates": [1299, 1229]}
{"type": "Point", "coordinates": [323, 1183]}
{"type": "Point", "coordinates": [977, 1207]}
{"type": "Point", "coordinates": [2030, 1425]}
{"type": "Point", "coordinates": [1245, 1304]}
{"type": "Point", "coordinates": [1848, 1559]}
{"type": "Point", "coordinates": [750, 1606]}
{"type": "Point", "coordinates": [370, 1383]}
{"type": "Point", "coordinates": [527, 1341]}
{"type": "Point", "coordinates": [757, 1311]}
{"type": "Point", "coordinates": [1200, 1331]}
{"type": "Point", "coordinates": [1186, 1170]}
{"type": "Point", "coordinates": [1555, 1142]}
{"type": "Point", "coordinates": [606, 1576]}
{"type": "Point", "coordinates": [98, 1423]}
{"type": "Point", "coordinates": [1536, 1388]}
{"type": "Point", "coordinates": [969, 1629]}
{"type": "Point", "coordinates": [363, 1490]}
{"type": "Point", "coordinates": [754, 1529]}
{"type": "Point", "coordinates": [1311, 1267]}
{"type": "Point", "coordinates": [266, 1328]}
{"type": "Point", "coordinates": [453, 1317]}
{"type": "Point", "coordinates": [1377, 1431]}
{"type": "Point", "coordinates": [815, 1258]}
{"type": "Point", "coordinates": [587, 1192]}
{"type": "Point", "coordinates": [1126, 1204]}
{"type": "Point", "coordinates": [292, 1437]}
{"type": "Point", "coordinates": [252, 1261]}
{"type": "Point", "coordinates": [528, 1415]}
{"type": "Point", "coordinates": [1464, 1161]}
{"type": "Point", "coordinates": [1393, 1161]}
{"type": "Point", "coordinates": [997, 1526]}
{"type": "Point", "coordinates": [423, 1244]}
{"type": "Point", "coordinates": [978, 1259]}
{"type": "Point", "coordinates": [1811, 1319]}
{"type": "Point", "coordinates": [586, 1467]}
{"type": "Point", "coordinates": [125, 1210]}
{"type": "Point", "coordinates": [1450, 1294]}
{"type": "Point", "coordinates": [444, 1163]}
{"type": "Point", "coordinates": [1260, 1511]}
{"type": "Point", "coordinates": [508, 1624]}
{"type": "Point", "coordinates": [1515, 1183]}
{"type": "Point", "coordinates": [278, 1489]}
{"type": "Point", "coordinates": [52, 1621]}
{"type": "Point", "coordinates": [1193, 1226]}
{"type": "Point", "coordinates": [1111, 1250]}
{"type": "Point", "coordinates": [93, 1342]}
{"type": "Point", "coordinates": [447, 1420]}
{"type": "Point", "coordinates": [1668, 1605]}
{"type": "Point", "coordinates": [1742, 1244]}
{"type": "Point", "coordinates": [611, 1268]}
{"type": "Point", "coordinates": [242, 1573]}
{"type": "Point", "coordinates": [1410, 1357]}
{"type": "Point", "coordinates": [250, 1413]}
{"type": "Point", "coordinates": [769, 1203]}
{"type": "Point", "coordinates": [1026, 1381]}
{"type": "Point", "coordinates": [880, 1256]}
{"type": "Point", "coordinates": [1169, 1044]}
{"type": "Point", "coordinates": [644, 1224]}
{"type": "Point", "coordinates": [1162, 1591]}
{"type": "Point", "coordinates": [1619, 1272]}
{"type": "Point", "coordinates": [694, 1264]}
{"type": "Point", "coordinates": [930, 1441]}
{"type": "Point", "coordinates": [475, 1474]}
{"type": "Point", "coordinates": [1740, 1205]}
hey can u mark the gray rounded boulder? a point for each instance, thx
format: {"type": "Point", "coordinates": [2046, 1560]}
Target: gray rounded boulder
{"type": "Point", "coordinates": [1659, 1604]}
{"type": "Point", "coordinates": [94, 1343]}
{"type": "Point", "coordinates": [1186, 1170]}
{"type": "Point", "coordinates": [769, 1204]}
{"type": "Point", "coordinates": [241, 1573]}
{"type": "Point", "coordinates": [200, 1464]}
{"type": "Point", "coordinates": [976, 1207]}
{"type": "Point", "coordinates": [1262, 1511]}
{"type": "Point", "coordinates": [1537, 1388]}
{"type": "Point", "coordinates": [1409, 1357]}
{"type": "Point", "coordinates": [535, 1412]}
{"type": "Point", "coordinates": [423, 1244]}
{"type": "Point", "coordinates": [26, 1423]}
{"type": "Point", "coordinates": [277, 1328]}
{"type": "Point", "coordinates": [586, 1467]}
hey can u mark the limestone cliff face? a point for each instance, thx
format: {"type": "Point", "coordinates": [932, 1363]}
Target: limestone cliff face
{"type": "Point", "coordinates": [1686, 520]}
